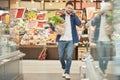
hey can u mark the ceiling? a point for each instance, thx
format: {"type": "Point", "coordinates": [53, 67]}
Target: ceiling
{"type": "Point", "coordinates": [59, 0]}
{"type": "Point", "coordinates": [41, 0]}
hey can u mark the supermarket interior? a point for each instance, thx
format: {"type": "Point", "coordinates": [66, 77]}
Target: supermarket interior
{"type": "Point", "coordinates": [89, 38]}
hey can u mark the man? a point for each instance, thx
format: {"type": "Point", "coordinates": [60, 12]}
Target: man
{"type": "Point", "coordinates": [101, 37]}
{"type": "Point", "coordinates": [68, 39]}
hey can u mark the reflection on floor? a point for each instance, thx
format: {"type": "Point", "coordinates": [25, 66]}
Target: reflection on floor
{"type": "Point", "coordinates": [53, 76]}
{"type": "Point", "coordinates": [49, 76]}
{"type": "Point", "coordinates": [51, 70]}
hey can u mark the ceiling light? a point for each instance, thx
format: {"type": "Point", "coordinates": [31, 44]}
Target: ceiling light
{"type": "Point", "coordinates": [17, 2]}
{"type": "Point", "coordinates": [42, 1]}
{"type": "Point", "coordinates": [50, 4]}
{"type": "Point", "coordinates": [56, 0]}
{"type": "Point", "coordinates": [32, 1]}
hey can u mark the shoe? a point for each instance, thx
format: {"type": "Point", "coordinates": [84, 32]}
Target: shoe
{"type": "Point", "coordinates": [103, 71]}
{"type": "Point", "coordinates": [63, 74]}
{"type": "Point", "coordinates": [105, 76]}
{"type": "Point", "coordinates": [105, 79]}
{"type": "Point", "coordinates": [67, 76]}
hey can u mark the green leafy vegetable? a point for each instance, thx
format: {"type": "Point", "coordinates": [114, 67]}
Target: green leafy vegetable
{"type": "Point", "coordinates": [56, 20]}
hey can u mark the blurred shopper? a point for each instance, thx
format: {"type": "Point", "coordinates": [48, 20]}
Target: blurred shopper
{"type": "Point", "coordinates": [101, 36]}
{"type": "Point", "coordinates": [68, 39]}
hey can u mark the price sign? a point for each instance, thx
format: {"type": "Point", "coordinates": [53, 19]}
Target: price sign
{"type": "Point", "coordinates": [20, 13]}
{"type": "Point", "coordinates": [13, 13]}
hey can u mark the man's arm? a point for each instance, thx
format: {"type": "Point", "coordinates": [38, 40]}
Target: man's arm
{"type": "Point", "coordinates": [77, 21]}
{"type": "Point", "coordinates": [51, 26]}
{"type": "Point", "coordinates": [93, 21]}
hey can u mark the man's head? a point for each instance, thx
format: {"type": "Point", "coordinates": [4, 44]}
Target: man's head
{"type": "Point", "coordinates": [105, 7]}
{"type": "Point", "coordinates": [69, 7]}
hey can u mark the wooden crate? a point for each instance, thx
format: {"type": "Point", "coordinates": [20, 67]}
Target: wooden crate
{"type": "Point", "coordinates": [81, 51]}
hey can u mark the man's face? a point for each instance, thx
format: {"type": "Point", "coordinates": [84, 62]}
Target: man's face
{"type": "Point", "coordinates": [69, 9]}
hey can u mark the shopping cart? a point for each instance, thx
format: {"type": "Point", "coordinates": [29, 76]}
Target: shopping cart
{"type": "Point", "coordinates": [88, 69]}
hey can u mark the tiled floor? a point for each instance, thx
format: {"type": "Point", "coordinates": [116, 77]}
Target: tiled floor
{"type": "Point", "coordinates": [51, 70]}
{"type": "Point", "coordinates": [48, 76]}
{"type": "Point", "coordinates": [53, 76]}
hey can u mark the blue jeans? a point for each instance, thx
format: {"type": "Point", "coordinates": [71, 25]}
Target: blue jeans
{"type": "Point", "coordinates": [65, 47]}
{"type": "Point", "coordinates": [103, 49]}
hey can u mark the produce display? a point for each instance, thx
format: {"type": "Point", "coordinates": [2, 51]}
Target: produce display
{"type": "Point", "coordinates": [31, 15]}
{"type": "Point", "coordinates": [33, 28]}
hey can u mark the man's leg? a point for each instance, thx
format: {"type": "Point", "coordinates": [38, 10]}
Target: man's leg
{"type": "Point", "coordinates": [100, 51]}
{"type": "Point", "coordinates": [107, 52]}
{"type": "Point", "coordinates": [69, 52]}
{"type": "Point", "coordinates": [61, 51]}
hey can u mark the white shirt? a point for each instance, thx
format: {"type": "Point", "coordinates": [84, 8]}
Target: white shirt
{"type": "Point", "coordinates": [67, 36]}
{"type": "Point", "coordinates": [102, 34]}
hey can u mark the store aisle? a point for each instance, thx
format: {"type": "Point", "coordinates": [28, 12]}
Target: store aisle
{"type": "Point", "coordinates": [48, 76]}
{"type": "Point", "coordinates": [57, 76]}
{"type": "Point", "coordinates": [47, 70]}
{"type": "Point", "coordinates": [50, 70]}
{"type": "Point", "coordinates": [47, 66]}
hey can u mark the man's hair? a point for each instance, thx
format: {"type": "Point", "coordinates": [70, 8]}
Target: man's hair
{"type": "Point", "coordinates": [69, 3]}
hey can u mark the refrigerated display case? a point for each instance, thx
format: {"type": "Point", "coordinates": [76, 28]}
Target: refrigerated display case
{"type": "Point", "coordinates": [10, 56]}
